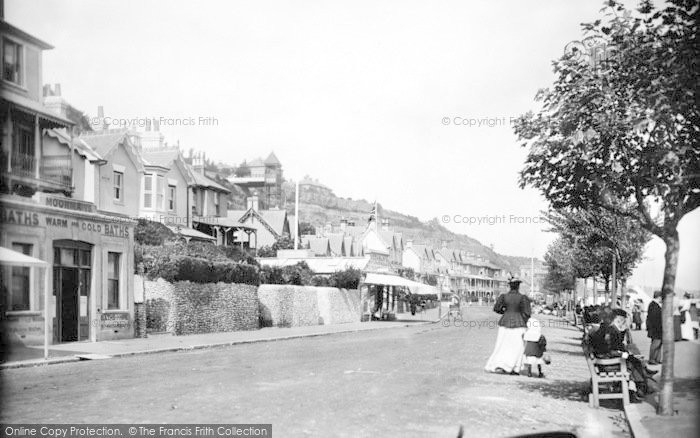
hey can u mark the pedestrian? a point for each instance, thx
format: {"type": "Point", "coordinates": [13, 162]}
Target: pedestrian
{"type": "Point", "coordinates": [535, 346]}
{"type": "Point", "coordinates": [654, 329]}
{"type": "Point", "coordinates": [637, 317]}
{"type": "Point", "coordinates": [687, 332]}
{"type": "Point", "coordinates": [507, 356]}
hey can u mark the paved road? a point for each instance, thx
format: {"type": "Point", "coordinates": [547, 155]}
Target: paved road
{"type": "Point", "coordinates": [415, 381]}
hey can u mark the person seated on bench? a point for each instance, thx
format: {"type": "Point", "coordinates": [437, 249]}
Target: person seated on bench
{"type": "Point", "coordinates": [610, 340]}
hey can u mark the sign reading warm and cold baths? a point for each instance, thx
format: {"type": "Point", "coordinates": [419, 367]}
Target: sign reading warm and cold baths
{"type": "Point", "coordinates": [12, 216]}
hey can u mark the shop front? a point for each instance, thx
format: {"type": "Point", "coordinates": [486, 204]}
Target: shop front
{"type": "Point", "coordinates": [91, 274]}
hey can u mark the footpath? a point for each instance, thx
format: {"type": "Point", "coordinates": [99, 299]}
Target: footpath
{"type": "Point", "coordinates": [19, 357]}
{"type": "Point", "coordinates": [642, 418]}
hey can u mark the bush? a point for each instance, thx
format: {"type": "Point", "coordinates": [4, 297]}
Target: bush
{"type": "Point", "coordinates": [151, 233]}
{"type": "Point", "coordinates": [347, 279]}
{"type": "Point", "coordinates": [320, 281]}
{"type": "Point", "coordinates": [299, 274]}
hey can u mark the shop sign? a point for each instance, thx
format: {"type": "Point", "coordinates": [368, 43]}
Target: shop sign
{"type": "Point", "coordinates": [115, 320]}
{"type": "Point", "coordinates": [13, 216]}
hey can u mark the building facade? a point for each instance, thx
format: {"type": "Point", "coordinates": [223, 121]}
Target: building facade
{"type": "Point", "coordinates": [47, 211]}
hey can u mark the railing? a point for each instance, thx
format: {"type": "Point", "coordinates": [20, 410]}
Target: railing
{"type": "Point", "coordinates": [58, 169]}
{"type": "Point", "coordinates": [54, 169]}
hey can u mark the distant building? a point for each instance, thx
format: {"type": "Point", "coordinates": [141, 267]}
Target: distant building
{"type": "Point", "coordinates": [262, 178]}
{"type": "Point", "coordinates": [270, 224]}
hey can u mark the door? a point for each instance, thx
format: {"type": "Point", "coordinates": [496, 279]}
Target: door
{"type": "Point", "coordinates": [69, 303]}
{"type": "Point", "coordinates": [72, 275]}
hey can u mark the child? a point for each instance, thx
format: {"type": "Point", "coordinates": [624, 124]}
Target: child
{"type": "Point", "coordinates": [535, 346]}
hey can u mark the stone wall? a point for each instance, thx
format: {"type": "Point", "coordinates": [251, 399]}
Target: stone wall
{"type": "Point", "coordinates": [186, 308]}
{"type": "Point", "coordinates": [293, 306]}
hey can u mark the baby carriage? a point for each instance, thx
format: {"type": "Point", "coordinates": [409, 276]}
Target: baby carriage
{"type": "Point", "coordinates": [455, 311]}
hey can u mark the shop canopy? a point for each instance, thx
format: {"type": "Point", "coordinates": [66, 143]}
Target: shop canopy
{"type": "Point", "coordinates": [396, 280]}
{"type": "Point", "coordinates": [9, 257]}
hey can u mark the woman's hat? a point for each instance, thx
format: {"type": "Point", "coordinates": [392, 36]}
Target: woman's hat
{"type": "Point", "coordinates": [514, 279]}
{"type": "Point", "coordinates": [619, 312]}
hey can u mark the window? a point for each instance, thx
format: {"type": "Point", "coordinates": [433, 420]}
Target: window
{"type": "Point", "coordinates": [172, 191]}
{"type": "Point", "coordinates": [216, 202]}
{"type": "Point", "coordinates": [19, 295]}
{"type": "Point", "coordinates": [113, 259]}
{"type": "Point", "coordinates": [195, 210]}
{"type": "Point", "coordinates": [160, 191]}
{"type": "Point", "coordinates": [147, 191]}
{"type": "Point", "coordinates": [12, 62]}
{"type": "Point", "coordinates": [118, 185]}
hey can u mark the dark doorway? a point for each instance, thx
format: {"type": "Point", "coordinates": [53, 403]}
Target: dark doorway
{"type": "Point", "coordinates": [69, 304]}
{"type": "Point", "coordinates": [71, 275]}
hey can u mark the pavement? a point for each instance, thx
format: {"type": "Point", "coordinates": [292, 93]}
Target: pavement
{"type": "Point", "coordinates": [642, 417]}
{"type": "Point", "coordinates": [410, 379]}
{"type": "Point", "coordinates": [27, 356]}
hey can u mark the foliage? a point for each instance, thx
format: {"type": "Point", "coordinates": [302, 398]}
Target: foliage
{"type": "Point", "coordinates": [299, 274]}
{"type": "Point", "coordinates": [151, 233]}
{"type": "Point", "coordinates": [346, 279]}
{"type": "Point", "coordinates": [407, 273]}
{"type": "Point", "coordinates": [560, 271]}
{"type": "Point", "coordinates": [305, 228]}
{"type": "Point", "coordinates": [623, 131]}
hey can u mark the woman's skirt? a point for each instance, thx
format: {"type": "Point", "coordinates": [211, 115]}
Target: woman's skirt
{"type": "Point", "coordinates": [508, 352]}
{"type": "Point", "coordinates": [677, 328]}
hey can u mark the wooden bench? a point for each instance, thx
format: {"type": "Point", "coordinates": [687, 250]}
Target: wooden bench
{"type": "Point", "coordinates": [606, 372]}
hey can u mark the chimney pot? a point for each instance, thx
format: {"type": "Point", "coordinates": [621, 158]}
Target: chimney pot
{"type": "Point", "coordinates": [57, 90]}
{"type": "Point", "coordinates": [100, 112]}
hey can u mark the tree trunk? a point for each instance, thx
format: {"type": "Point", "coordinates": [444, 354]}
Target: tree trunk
{"type": "Point", "coordinates": [595, 290]}
{"type": "Point", "coordinates": [623, 293]}
{"type": "Point", "coordinates": [668, 338]}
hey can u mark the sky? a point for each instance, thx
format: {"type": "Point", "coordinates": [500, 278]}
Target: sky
{"type": "Point", "coordinates": [404, 102]}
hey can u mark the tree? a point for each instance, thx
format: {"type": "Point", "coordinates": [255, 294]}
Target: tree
{"type": "Point", "coordinates": [626, 128]}
{"type": "Point", "coordinates": [561, 275]}
{"type": "Point", "coordinates": [596, 235]}
{"type": "Point", "coordinates": [305, 228]}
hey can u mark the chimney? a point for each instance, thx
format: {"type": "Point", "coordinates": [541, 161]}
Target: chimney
{"type": "Point", "coordinates": [385, 224]}
{"type": "Point", "coordinates": [148, 125]}
{"type": "Point", "coordinates": [100, 112]}
{"type": "Point", "coordinates": [156, 125]}
{"type": "Point", "coordinates": [198, 164]}
{"type": "Point", "coordinates": [47, 90]}
{"type": "Point", "coordinates": [252, 202]}
{"type": "Point", "coordinates": [57, 89]}
{"type": "Point", "coordinates": [343, 224]}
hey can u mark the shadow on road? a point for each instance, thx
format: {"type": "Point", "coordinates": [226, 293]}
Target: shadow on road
{"type": "Point", "coordinates": [559, 351]}
{"type": "Point", "coordinates": [559, 389]}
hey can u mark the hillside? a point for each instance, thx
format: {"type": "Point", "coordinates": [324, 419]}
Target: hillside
{"type": "Point", "coordinates": [319, 206]}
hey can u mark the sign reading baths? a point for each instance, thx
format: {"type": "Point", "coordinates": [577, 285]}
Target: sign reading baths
{"type": "Point", "coordinates": [11, 216]}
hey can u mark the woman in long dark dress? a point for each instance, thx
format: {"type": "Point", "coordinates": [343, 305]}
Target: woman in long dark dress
{"type": "Point", "coordinates": [507, 356]}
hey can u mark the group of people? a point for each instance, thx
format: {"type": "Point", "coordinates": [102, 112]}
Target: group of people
{"type": "Point", "coordinates": [520, 340]}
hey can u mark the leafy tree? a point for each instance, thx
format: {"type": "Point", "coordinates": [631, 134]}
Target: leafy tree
{"type": "Point", "coordinates": [595, 235]}
{"type": "Point", "coordinates": [306, 228]}
{"type": "Point", "coordinates": [151, 233]}
{"type": "Point", "coordinates": [561, 275]}
{"type": "Point", "coordinates": [626, 128]}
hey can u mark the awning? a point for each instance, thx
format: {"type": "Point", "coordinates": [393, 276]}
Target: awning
{"type": "Point", "coordinates": [223, 222]}
{"type": "Point", "coordinates": [190, 233]}
{"type": "Point", "coordinates": [396, 280]}
{"type": "Point", "coordinates": [9, 257]}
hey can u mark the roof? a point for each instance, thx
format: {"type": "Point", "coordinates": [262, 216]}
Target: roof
{"type": "Point", "coordinates": [275, 219]}
{"type": "Point", "coordinates": [319, 246]}
{"type": "Point", "coordinates": [202, 181]}
{"type": "Point", "coordinates": [83, 149]}
{"type": "Point", "coordinates": [34, 107]}
{"type": "Point", "coordinates": [395, 280]}
{"type": "Point", "coordinates": [272, 160]}
{"type": "Point", "coordinates": [160, 157]}
{"type": "Point", "coordinates": [6, 27]}
{"type": "Point", "coordinates": [104, 141]}
{"type": "Point", "coordinates": [258, 162]}
{"type": "Point", "coordinates": [337, 243]}
{"type": "Point", "coordinates": [10, 257]}
{"type": "Point", "coordinates": [319, 265]}
{"type": "Point", "coordinates": [228, 222]}
{"type": "Point", "coordinates": [191, 233]}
